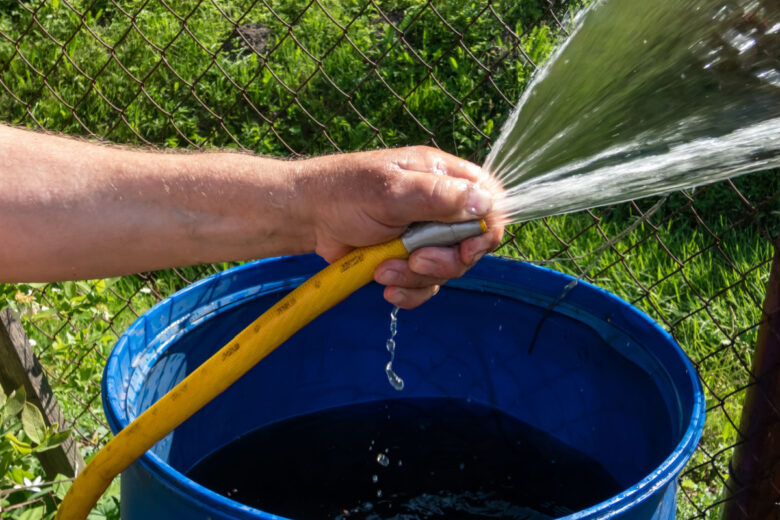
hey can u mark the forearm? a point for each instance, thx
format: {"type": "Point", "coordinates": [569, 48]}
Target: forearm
{"type": "Point", "coordinates": [71, 209]}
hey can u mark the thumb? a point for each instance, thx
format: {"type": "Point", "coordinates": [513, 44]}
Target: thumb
{"type": "Point", "coordinates": [430, 196]}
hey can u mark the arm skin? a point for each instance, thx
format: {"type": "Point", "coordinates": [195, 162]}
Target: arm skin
{"type": "Point", "coordinates": [71, 209]}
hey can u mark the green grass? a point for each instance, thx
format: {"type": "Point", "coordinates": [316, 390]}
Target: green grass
{"type": "Point", "coordinates": [329, 75]}
{"type": "Point", "coordinates": [334, 76]}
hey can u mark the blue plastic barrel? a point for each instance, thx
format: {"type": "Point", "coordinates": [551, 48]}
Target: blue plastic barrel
{"type": "Point", "coordinates": [603, 377]}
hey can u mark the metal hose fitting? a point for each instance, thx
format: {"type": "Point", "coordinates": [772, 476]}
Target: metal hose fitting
{"type": "Point", "coordinates": [439, 234]}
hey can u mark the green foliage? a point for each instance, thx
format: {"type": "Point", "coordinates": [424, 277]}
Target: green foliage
{"type": "Point", "coordinates": [23, 433]}
{"type": "Point", "coordinates": [325, 83]}
{"type": "Point", "coordinates": [23, 493]}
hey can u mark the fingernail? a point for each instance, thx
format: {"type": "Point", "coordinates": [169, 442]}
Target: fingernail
{"type": "Point", "coordinates": [389, 277]}
{"type": "Point", "coordinates": [398, 297]}
{"type": "Point", "coordinates": [478, 256]}
{"type": "Point", "coordinates": [425, 266]}
{"type": "Point", "coordinates": [479, 201]}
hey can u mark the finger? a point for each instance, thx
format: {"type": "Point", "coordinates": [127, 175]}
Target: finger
{"type": "Point", "coordinates": [396, 272]}
{"type": "Point", "coordinates": [430, 160]}
{"type": "Point", "coordinates": [453, 262]}
{"type": "Point", "coordinates": [407, 298]}
{"type": "Point", "coordinates": [472, 249]}
{"type": "Point", "coordinates": [438, 262]}
{"type": "Point", "coordinates": [417, 196]}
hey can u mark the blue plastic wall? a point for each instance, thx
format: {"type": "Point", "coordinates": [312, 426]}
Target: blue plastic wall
{"type": "Point", "coordinates": [603, 377]}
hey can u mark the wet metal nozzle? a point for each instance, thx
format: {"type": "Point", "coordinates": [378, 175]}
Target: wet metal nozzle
{"type": "Point", "coordinates": [439, 234]}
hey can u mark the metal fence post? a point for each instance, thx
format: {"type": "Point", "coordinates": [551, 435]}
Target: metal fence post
{"type": "Point", "coordinates": [753, 489]}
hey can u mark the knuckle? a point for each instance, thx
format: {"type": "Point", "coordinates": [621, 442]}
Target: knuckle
{"type": "Point", "coordinates": [450, 190]}
{"type": "Point", "coordinates": [438, 188]}
{"type": "Point", "coordinates": [423, 150]}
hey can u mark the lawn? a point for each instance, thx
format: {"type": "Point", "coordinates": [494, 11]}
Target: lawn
{"type": "Point", "coordinates": [303, 78]}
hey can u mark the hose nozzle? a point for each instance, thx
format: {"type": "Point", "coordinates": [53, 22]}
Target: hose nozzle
{"type": "Point", "coordinates": [439, 234]}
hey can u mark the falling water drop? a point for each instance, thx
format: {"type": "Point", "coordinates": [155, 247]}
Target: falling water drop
{"type": "Point", "coordinates": [383, 459]}
{"type": "Point", "coordinates": [395, 381]}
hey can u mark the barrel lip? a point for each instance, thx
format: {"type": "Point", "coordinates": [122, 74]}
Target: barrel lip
{"type": "Point", "coordinates": [491, 268]}
{"type": "Point", "coordinates": [666, 472]}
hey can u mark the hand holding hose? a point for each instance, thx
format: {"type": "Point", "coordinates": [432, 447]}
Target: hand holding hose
{"type": "Point", "coordinates": [75, 210]}
{"type": "Point", "coordinates": [368, 198]}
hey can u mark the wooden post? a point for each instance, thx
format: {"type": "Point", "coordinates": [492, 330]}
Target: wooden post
{"type": "Point", "coordinates": [20, 367]}
{"type": "Point", "coordinates": [753, 489]}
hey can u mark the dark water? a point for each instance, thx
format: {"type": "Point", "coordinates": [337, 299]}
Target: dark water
{"type": "Point", "coordinates": [406, 459]}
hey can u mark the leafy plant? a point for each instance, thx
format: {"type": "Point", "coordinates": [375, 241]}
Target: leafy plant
{"type": "Point", "coordinates": [23, 434]}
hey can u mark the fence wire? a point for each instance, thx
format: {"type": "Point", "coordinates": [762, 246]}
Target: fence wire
{"type": "Point", "coordinates": [305, 77]}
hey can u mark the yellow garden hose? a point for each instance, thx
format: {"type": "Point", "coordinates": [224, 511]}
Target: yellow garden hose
{"type": "Point", "coordinates": [260, 338]}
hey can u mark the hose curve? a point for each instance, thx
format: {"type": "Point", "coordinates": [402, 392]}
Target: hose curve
{"type": "Point", "coordinates": [260, 338]}
{"type": "Point", "coordinates": [313, 297]}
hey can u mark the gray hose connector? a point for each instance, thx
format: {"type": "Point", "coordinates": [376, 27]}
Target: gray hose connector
{"type": "Point", "coordinates": [439, 234]}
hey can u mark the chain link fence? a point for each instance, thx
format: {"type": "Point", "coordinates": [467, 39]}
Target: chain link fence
{"type": "Point", "coordinates": [304, 77]}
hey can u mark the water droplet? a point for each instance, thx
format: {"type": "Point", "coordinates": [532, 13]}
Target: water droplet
{"type": "Point", "coordinates": [400, 463]}
{"type": "Point", "coordinates": [462, 466]}
{"type": "Point", "coordinates": [383, 459]}
{"type": "Point", "coordinates": [395, 381]}
{"type": "Point", "coordinates": [379, 492]}
{"type": "Point", "coordinates": [374, 478]}
{"type": "Point", "coordinates": [393, 378]}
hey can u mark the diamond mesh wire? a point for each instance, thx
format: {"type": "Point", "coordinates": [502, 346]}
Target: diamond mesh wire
{"type": "Point", "coordinates": [305, 77]}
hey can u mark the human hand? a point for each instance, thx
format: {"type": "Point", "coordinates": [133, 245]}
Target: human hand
{"type": "Point", "coordinates": [361, 199]}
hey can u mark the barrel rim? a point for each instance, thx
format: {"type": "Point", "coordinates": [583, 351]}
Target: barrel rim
{"type": "Point", "coordinates": [659, 478]}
